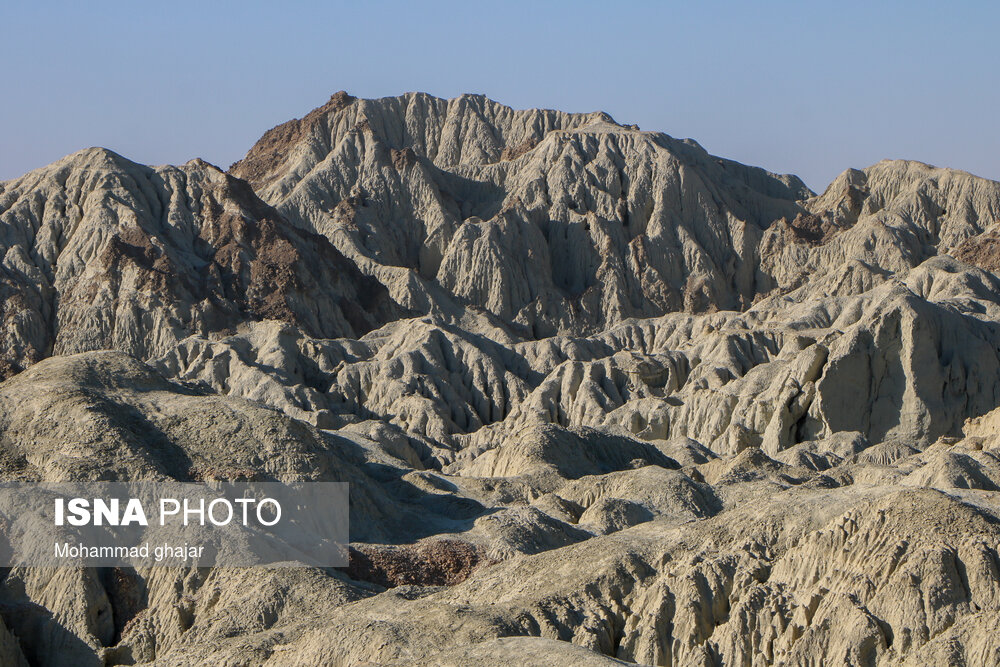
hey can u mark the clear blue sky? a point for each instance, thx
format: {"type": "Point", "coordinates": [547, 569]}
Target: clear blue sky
{"type": "Point", "coordinates": [809, 88]}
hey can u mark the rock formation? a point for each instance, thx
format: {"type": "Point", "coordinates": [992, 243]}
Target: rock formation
{"type": "Point", "coordinates": [102, 253]}
{"type": "Point", "coordinates": [602, 398]}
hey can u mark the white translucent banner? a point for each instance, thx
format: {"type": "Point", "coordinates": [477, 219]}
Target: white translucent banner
{"type": "Point", "coordinates": [237, 524]}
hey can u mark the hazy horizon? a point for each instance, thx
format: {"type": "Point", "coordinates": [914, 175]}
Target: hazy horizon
{"type": "Point", "coordinates": [804, 90]}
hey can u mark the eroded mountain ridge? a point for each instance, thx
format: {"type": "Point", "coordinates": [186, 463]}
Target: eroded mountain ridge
{"type": "Point", "coordinates": [659, 404]}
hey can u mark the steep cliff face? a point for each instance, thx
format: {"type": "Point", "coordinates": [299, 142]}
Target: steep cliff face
{"type": "Point", "coordinates": [602, 397]}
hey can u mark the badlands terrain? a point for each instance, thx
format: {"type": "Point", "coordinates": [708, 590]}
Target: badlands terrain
{"type": "Point", "coordinates": [601, 397]}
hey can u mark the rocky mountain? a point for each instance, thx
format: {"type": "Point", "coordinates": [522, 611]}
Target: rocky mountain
{"type": "Point", "coordinates": [102, 253]}
{"type": "Point", "coordinates": [553, 222]}
{"type": "Point", "coordinates": [601, 397]}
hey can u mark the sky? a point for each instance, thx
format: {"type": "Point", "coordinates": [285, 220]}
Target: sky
{"type": "Point", "coordinates": [810, 88]}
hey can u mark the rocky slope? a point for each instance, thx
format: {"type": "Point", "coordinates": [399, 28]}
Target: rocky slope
{"type": "Point", "coordinates": [602, 397]}
{"type": "Point", "coordinates": [102, 253]}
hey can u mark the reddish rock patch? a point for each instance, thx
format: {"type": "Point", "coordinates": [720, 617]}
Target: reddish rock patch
{"type": "Point", "coordinates": [133, 246]}
{"type": "Point", "coordinates": [514, 152]}
{"type": "Point", "coordinates": [271, 150]}
{"type": "Point", "coordinates": [982, 251]}
{"type": "Point", "coordinates": [273, 270]}
{"type": "Point", "coordinates": [432, 563]}
{"type": "Point", "coordinates": [404, 158]}
{"type": "Point", "coordinates": [809, 228]}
